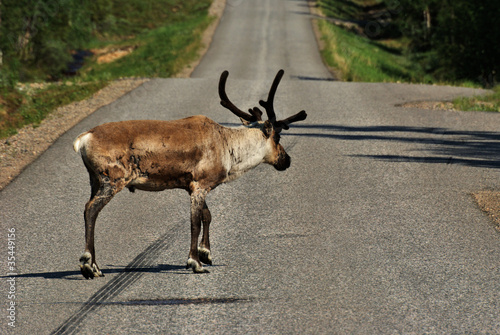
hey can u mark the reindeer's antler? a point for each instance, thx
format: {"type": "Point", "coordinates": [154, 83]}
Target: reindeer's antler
{"type": "Point", "coordinates": [283, 124]}
{"type": "Point", "coordinates": [269, 106]}
{"type": "Point", "coordinates": [269, 103]}
{"type": "Point", "coordinates": [254, 115]}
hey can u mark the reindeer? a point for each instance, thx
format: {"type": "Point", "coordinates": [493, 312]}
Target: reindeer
{"type": "Point", "coordinates": [195, 154]}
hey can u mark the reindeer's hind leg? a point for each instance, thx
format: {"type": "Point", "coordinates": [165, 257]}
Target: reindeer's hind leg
{"type": "Point", "coordinates": [197, 207]}
{"type": "Point", "coordinates": [102, 192]}
{"type": "Point", "coordinates": [204, 248]}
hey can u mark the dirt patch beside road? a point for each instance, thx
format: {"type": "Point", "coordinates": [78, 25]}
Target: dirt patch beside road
{"type": "Point", "coordinates": [433, 105]}
{"type": "Point", "coordinates": [489, 202]}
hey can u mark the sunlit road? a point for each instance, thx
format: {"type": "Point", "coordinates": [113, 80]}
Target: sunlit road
{"type": "Point", "coordinates": [372, 230]}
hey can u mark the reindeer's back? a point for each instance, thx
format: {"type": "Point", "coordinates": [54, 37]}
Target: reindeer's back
{"type": "Point", "coordinates": [185, 149]}
{"type": "Point", "coordinates": [149, 134]}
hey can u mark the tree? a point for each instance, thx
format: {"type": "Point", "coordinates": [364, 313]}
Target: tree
{"type": "Point", "coordinates": [467, 39]}
{"type": "Point", "coordinates": [458, 38]}
{"type": "Point", "coordinates": [42, 33]}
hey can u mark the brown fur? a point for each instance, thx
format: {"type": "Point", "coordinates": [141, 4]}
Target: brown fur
{"type": "Point", "coordinates": [158, 155]}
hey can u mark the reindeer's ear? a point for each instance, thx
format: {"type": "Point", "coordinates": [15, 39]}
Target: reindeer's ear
{"type": "Point", "coordinates": [245, 122]}
{"type": "Point", "coordinates": [267, 128]}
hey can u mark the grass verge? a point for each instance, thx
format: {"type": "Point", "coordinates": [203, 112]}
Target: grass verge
{"type": "Point", "coordinates": [19, 108]}
{"type": "Point", "coordinates": [487, 103]}
{"type": "Point", "coordinates": [358, 58]}
{"type": "Point", "coordinates": [355, 57]}
{"type": "Point", "coordinates": [161, 52]}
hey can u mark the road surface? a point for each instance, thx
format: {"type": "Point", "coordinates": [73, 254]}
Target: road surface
{"type": "Point", "coordinates": [372, 230]}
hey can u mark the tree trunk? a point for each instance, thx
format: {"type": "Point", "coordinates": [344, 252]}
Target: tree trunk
{"type": "Point", "coordinates": [427, 22]}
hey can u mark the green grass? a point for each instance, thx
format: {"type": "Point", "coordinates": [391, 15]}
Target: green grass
{"type": "Point", "coordinates": [345, 9]}
{"type": "Point", "coordinates": [132, 17]}
{"type": "Point", "coordinates": [161, 52]}
{"type": "Point", "coordinates": [487, 103]}
{"type": "Point", "coordinates": [358, 58]}
{"type": "Point", "coordinates": [166, 35]}
{"type": "Point", "coordinates": [354, 56]}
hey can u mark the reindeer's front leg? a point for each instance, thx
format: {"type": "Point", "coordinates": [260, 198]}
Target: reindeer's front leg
{"type": "Point", "coordinates": [197, 205]}
{"type": "Point", "coordinates": [204, 249]}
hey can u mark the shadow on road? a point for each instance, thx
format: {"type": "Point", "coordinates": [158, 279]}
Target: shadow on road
{"type": "Point", "coordinates": [471, 148]}
{"type": "Point", "coordinates": [76, 275]}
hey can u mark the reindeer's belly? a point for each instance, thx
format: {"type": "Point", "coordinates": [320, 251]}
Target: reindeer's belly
{"type": "Point", "coordinates": [160, 183]}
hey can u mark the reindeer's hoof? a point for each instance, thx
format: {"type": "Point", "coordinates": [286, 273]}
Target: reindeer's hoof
{"type": "Point", "coordinates": [196, 266]}
{"type": "Point", "coordinates": [88, 270]}
{"type": "Point", "coordinates": [205, 256]}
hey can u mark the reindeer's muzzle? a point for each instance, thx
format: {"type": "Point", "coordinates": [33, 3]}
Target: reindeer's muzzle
{"type": "Point", "coordinates": [283, 162]}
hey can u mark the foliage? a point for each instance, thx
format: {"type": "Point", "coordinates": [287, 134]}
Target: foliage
{"type": "Point", "coordinates": [459, 38]}
{"type": "Point", "coordinates": [40, 35]}
{"type": "Point", "coordinates": [451, 41]}
{"type": "Point", "coordinates": [357, 57]}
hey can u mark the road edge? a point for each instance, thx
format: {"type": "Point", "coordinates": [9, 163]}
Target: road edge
{"type": "Point", "coordinates": [316, 15]}
{"type": "Point", "coordinates": [216, 10]}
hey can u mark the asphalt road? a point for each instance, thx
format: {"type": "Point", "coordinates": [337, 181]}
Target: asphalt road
{"type": "Point", "coordinates": [372, 230]}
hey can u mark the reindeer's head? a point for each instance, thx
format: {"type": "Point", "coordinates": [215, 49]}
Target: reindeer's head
{"type": "Point", "coordinates": [271, 128]}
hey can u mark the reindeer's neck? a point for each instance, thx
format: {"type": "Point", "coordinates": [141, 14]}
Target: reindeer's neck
{"type": "Point", "coordinates": [246, 148]}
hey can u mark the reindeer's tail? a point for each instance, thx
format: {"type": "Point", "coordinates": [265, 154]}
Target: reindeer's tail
{"type": "Point", "coordinates": [81, 141]}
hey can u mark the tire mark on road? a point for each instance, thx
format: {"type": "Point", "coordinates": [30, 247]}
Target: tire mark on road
{"type": "Point", "coordinates": [121, 282]}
